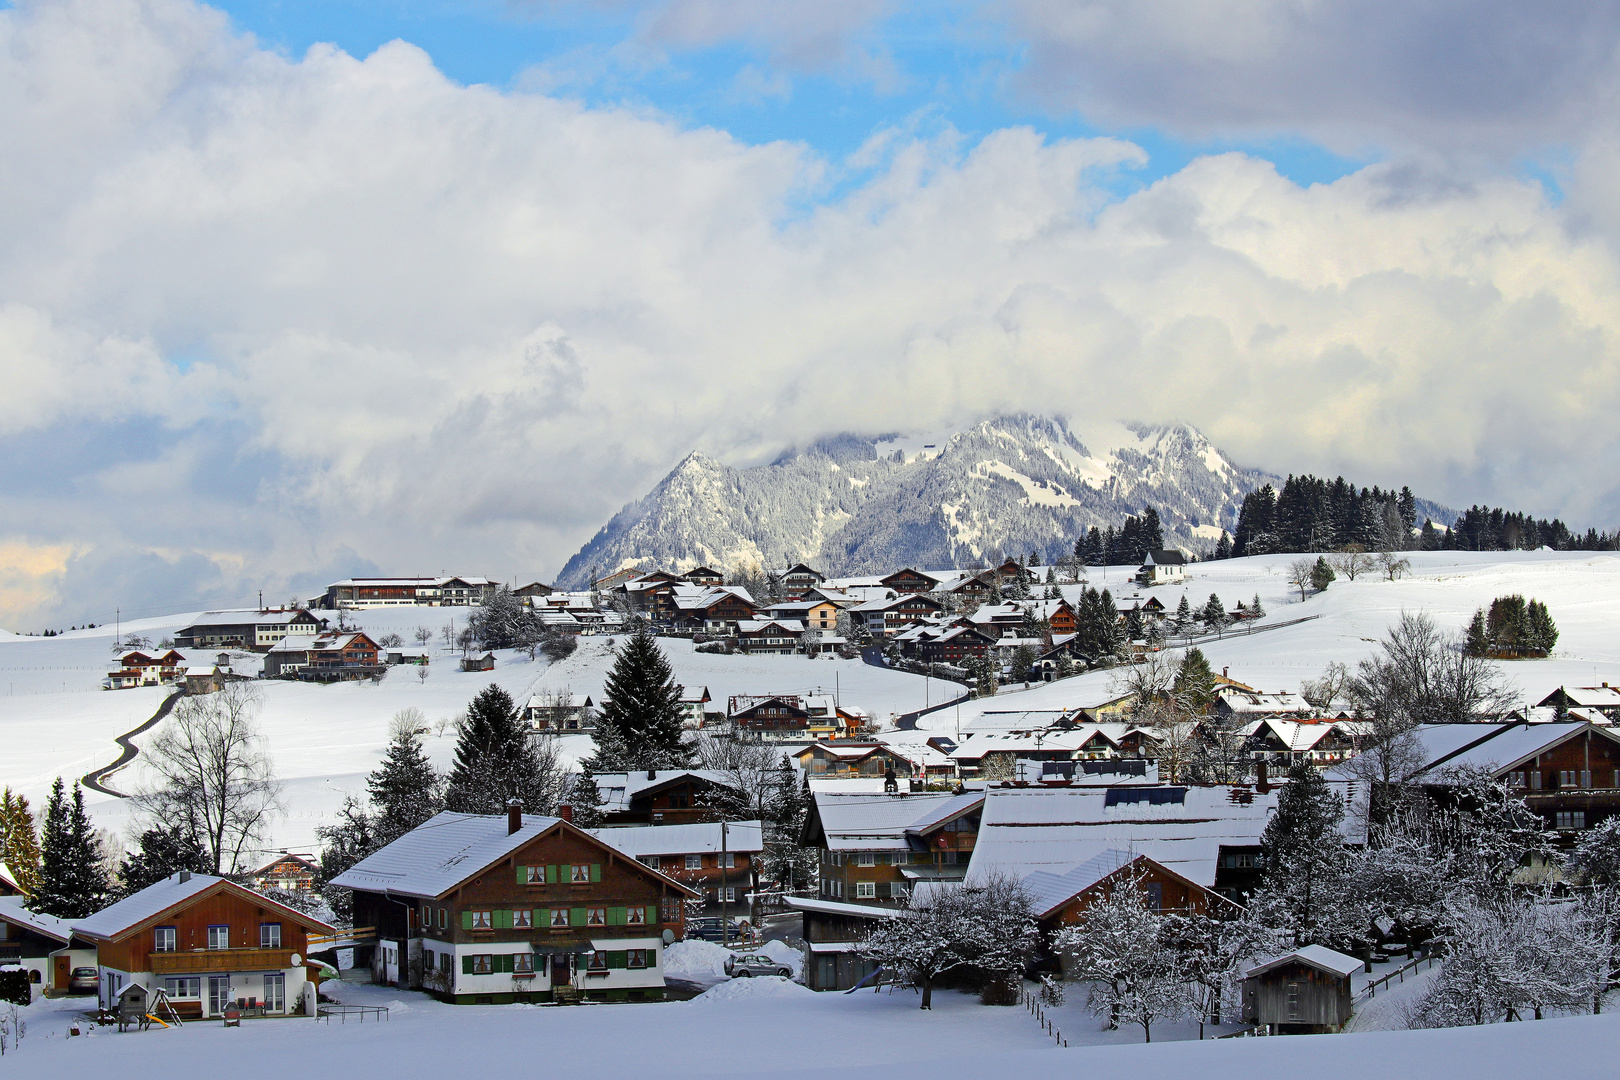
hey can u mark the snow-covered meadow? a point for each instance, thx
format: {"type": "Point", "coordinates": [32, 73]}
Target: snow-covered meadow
{"type": "Point", "coordinates": [773, 1027]}
{"type": "Point", "coordinates": [54, 719]}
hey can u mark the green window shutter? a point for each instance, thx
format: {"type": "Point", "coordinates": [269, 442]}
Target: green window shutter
{"type": "Point", "coordinates": [466, 920]}
{"type": "Point", "coordinates": [613, 916]}
{"type": "Point", "coordinates": [576, 917]}
{"type": "Point", "coordinates": [596, 871]}
{"type": "Point", "coordinates": [652, 958]}
{"type": "Point", "coordinates": [617, 959]}
{"type": "Point", "coordinates": [506, 963]}
{"type": "Point", "coordinates": [466, 965]}
{"type": "Point", "coordinates": [523, 875]}
{"type": "Point", "coordinates": [551, 874]}
{"type": "Point", "coordinates": [503, 919]}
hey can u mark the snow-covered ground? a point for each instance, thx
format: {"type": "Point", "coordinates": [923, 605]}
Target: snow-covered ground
{"type": "Point", "coordinates": [777, 1028]}
{"type": "Point", "coordinates": [55, 720]}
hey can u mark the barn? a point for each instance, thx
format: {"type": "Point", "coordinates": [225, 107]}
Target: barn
{"type": "Point", "coordinates": [1306, 992]}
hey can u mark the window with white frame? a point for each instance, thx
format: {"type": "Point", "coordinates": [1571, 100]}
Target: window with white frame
{"type": "Point", "coordinates": [866, 858]}
{"type": "Point", "coordinates": [270, 935]}
{"type": "Point", "coordinates": [219, 937]}
{"type": "Point", "coordinates": [865, 890]}
{"type": "Point", "coordinates": [694, 862]}
{"type": "Point", "coordinates": [559, 916]}
{"type": "Point", "coordinates": [728, 860]}
{"type": "Point", "coordinates": [163, 939]}
{"type": "Point", "coordinates": [1572, 819]}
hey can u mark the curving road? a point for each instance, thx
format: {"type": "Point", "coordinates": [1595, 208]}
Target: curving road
{"type": "Point", "coordinates": [95, 780]}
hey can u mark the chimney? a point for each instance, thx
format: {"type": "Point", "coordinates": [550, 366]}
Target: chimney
{"type": "Point", "coordinates": [566, 812]}
{"type": "Point", "coordinates": [652, 774]}
{"type": "Point", "coordinates": [514, 816]}
{"type": "Point", "coordinates": [1226, 672]}
{"type": "Point", "coordinates": [1260, 783]}
{"type": "Point", "coordinates": [185, 876]}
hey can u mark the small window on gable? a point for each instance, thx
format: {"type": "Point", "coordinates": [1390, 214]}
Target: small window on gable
{"type": "Point", "coordinates": [580, 873]}
{"type": "Point", "coordinates": [270, 935]}
{"type": "Point", "coordinates": [163, 939]}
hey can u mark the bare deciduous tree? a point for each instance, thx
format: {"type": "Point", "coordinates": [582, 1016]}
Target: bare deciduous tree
{"type": "Point", "coordinates": [1393, 566]}
{"type": "Point", "coordinates": [1352, 562]}
{"type": "Point", "coordinates": [213, 775]}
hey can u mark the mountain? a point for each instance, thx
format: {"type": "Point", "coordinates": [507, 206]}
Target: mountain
{"type": "Point", "coordinates": [854, 505]}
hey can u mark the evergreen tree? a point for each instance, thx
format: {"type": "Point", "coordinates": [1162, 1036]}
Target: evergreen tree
{"type": "Point", "coordinates": [1223, 546]}
{"type": "Point", "coordinates": [1255, 610]}
{"type": "Point", "coordinates": [610, 754]}
{"type": "Point", "coordinates": [163, 851]}
{"type": "Point", "coordinates": [404, 788]}
{"type": "Point", "coordinates": [1214, 614]}
{"type": "Point", "coordinates": [1152, 531]}
{"type": "Point", "coordinates": [1097, 630]}
{"type": "Point", "coordinates": [586, 799]}
{"type": "Point", "coordinates": [1194, 685]}
{"type": "Point", "coordinates": [72, 883]}
{"type": "Point", "coordinates": [1183, 617]}
{"type": "Point", "coordinates": [19, 841]}
{"type": "Point", "coordinates": [641, 703]}
{"type": "Point", "coordinates": [495, 760]}
{"type": "Point", "coordinates": [1304, 852]}
{"type": "Point", "coordinates": [1542, 633]}
{"type": "Point", "coordinates": [1134, 629]}
{"type": "Point", "coordinates": [1322, 574]}
{"type": "Point", "coordinates": [1476, 642]}
{"type": "Point", "coordinates": [788, 864]}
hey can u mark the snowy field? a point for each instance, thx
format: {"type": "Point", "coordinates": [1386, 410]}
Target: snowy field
{"type": "Point", "coordinates": [775, 1028]}
{"type": "Point", "coordinates": [54, 719]}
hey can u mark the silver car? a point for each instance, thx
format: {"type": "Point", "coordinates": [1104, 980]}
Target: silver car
{"type": "Point", "coordinates": [746, 966]}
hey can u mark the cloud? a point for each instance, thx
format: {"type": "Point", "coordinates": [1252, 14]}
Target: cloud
{"type": "Point", "coordinates": [1489, 78]}
{"type": "Point", "coordinates": [442, 327]}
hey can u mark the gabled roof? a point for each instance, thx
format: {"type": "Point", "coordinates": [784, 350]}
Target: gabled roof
{"type": "Point", "coordinates": [173, 892]}
{"type": "Point", "coordinates": [802, 569]}
{"type": "Point", "coordinates": [438, 855]}
{"type": "Point", "coordinates": [13, 911]}
{"type": "Point", "coordinates": [1317, 956]}
{"type": "Point", "coordinates": [1166, 557]}
{"type": "Point", "coordinates": [1586, 697]}
{"type": "Point", "coordinates": [618, 789]}
{"type": "Point", "coordinates": [1049, 891]}
{"type": "Point", "coordinates": [869, 822]}
{"type": "Point", "coordinates": [1512, 746]}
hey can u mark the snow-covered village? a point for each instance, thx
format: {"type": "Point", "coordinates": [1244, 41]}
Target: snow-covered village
{"type": "Point", "coordinates": [810, 538]}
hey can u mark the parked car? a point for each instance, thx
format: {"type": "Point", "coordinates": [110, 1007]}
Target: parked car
{"type": "Point", "coordinates": [711, 929]}
{"type": "Point", "coordinates": [747, 966]}
{"type": "Point", "coordinates": [84, 980]}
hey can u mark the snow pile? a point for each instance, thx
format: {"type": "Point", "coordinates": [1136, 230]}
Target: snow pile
{"type": "Point", "coordinates": [700, 961]}
{"type": "Point", "coordinates": [740, 989]}
{"type": "Point", "coordinates": [784, 954]}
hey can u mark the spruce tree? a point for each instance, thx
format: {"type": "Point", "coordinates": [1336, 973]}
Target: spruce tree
{"type": "Point", "coordinates": [1152, 531]}
{"type": "Point", "coordinates": [1304, 851]}
{"type": "Point", "coordinates": [1542, 633]}
{"type": "Point", "coordinates": [788, 864]}
{"type": "Point", "coordinates": [1322, 574]}
{"type": "Point", "coordinates": [1194, 685]}
{"type": "Point", "coordinates": [1476, 642]}
{"type": "Point", "coordinates": [19, 841]}
{"type": "Point", "coordinates": [1183, 617]}
{"type": "Point", "coordinates": [641, 703]}
{"type": "Point", "coordinates": [586, 799]}
{"type": "Point", "coordinates": [72, 883]}
{"type": "Point", "coordinates": [495, 760]}
{"type": "Point", "coordinates": [1223, 546]}
{"type": "Point", "coordinates": [404, 788]}
{"type": "Point", "coordinates": [1255, 610]}
{"type": "Point", "coordinates": [1214, 614]}
{"type": "Point", "coordinates": [163, 851]}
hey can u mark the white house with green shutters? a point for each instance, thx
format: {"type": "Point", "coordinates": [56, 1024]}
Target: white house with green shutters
{"type": "Point", "coordinates": [487, 909]}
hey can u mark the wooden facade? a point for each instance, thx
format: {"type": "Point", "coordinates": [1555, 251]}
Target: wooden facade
{"type": "Point", "coordinates": [1574, 785]}
{"type": "Point", "coordinates": [1299, 995]}
{"type": "Point", "coordinates": [909, 581]}
{"type": "Point", "coordinates": [561, 916]}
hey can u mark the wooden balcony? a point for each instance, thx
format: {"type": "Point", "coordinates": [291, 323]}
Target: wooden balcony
{"type": "Point", "coordinates": [208, 961]}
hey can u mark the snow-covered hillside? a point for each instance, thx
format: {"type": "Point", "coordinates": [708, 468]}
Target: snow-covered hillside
{"type": "Point", "coordinates": [857, 505]}
{"type": "Point", "coordinates": [55, 720]}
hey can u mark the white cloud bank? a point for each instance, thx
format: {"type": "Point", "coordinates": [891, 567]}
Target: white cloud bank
{"type": "Point", "coordinates": [265, 319]}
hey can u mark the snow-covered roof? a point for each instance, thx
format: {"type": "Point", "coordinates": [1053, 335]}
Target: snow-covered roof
{"type": "Point", "coordinates": [833, 907]}
{"type": "Point", "coordinates": [1239, 701]}
{"type": "Point", "coordinates": [873, 822]}
{"type": "Point", "coordinates": [1049, 891]}
{"type": "Point", "coordinates": [441, 853]}
{"type": "Point", "coordinates": [1591, 697]}
{"type": "Point", "coordinates": [619, 788]}
{"type": "Point", "coordinates": [953, 807]}
{"type": "Point", "coordinates": [1513, 745]}
{"type": "Point", "coordinates": [161, 896]}
{"type": "Point", "coordinates": [792, 627]}
{"type": "Point", "coordinates": [1294, 734]}
{"type": "Point", "coordinates": [247, 617]}
{"type": "Point", "coordinates": [1024, 830]}
{"type": "Point", "coordinates": [639, 840]}
{"type": "Point", "coordinates": [13, 911]}
{"type": "Point", "coordinates": [1317, 956]}
{"type": "Point", "coordinates": [8, 878]}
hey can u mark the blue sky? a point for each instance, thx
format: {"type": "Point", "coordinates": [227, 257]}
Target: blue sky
{"type": "Point", "coordinates": [945, 64]}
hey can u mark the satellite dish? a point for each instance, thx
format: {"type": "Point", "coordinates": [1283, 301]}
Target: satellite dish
{"type": "Point", "coordinates": [669, 937]}
{"type": "Point", "coordinates": [296, 959]}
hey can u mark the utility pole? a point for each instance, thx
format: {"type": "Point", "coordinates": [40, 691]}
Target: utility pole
{"type": "Point", "coordinates": [725, 878]}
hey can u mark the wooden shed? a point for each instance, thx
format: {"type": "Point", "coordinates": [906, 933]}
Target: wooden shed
{"type": "Point", "coordinates": [1305, 992]}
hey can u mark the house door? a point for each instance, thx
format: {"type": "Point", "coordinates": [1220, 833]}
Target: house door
{"type": "Point", "coordinates": [219, 994]}
{"type": "Point", "coordinates": [559, 969]}
{"type": "Point", "coordinates": [275, 993]}
{"type": "Point", "coordinates": [64, 972]}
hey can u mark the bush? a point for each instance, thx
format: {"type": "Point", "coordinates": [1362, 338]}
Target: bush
{"type": "Point", "coordinates": [723, 647]}
{"type": "Point", "coordinates": [14, 986]}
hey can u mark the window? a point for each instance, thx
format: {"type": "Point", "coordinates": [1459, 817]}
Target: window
{"type": "Point", "coordinates": [444, 963]}
{"type": "Point", "coordinates": [1155, 896]}
{"type": "Point", "coordinates": [865, 858]}
{"type": "Point", "coordinates": [865, 890]}
{"type": "Point", "coordinates": [580, 873]}
{"type": "Point", "coordinates": [482, 920]}
{"type": "Point", "coordinates": [1567, 778]}
{"type": "Point", "coordinates": [559, 916]}
{"type": "Point", "coordinates": [482, 964]}
{"type": "Point", "coordinates": [427, 915]}
{"type": "Point", "coordinates": [1586, 778]}
{"type": "Point", "coordinates": [636, 958]}
{"type": "Point", "coordinates": [596, 916]}
{"type": "Point", "coordinates": [270, 935]}
{"type": "Point", "coordinates": [187, 987]}
{"type": "Point", "coordinates": [672, 909]}
{"type": "Point", "coordinates": [1535, 780]}
{"type": "Point", "coordinates": [163, 939]}
{"type": "Point", "coordinates": [442, 920]}
{"type": "Point", "coordinates": [728, 860]}
{"type": "Point", "coordinates": [427, 960]}
{"type": "Point", "coordinates": [1572, 819]}
{"type": "Point", "coordinates": [523, 919]}
{"type": "Point", "coordinates": [635, 916]}
{"type": "Point", "coordinates": [694, 862]}
{"type": "Point", "coordinates": [651, 861]}
{"type": "Point", "coordinates": [219, 937]}
{"type": "Point", "coordinates": [1516, 779]}
{"type": "Point", "coordinates": [597, 961]}
{"type": "Point", "coordinates": [523, 963]}
{"type": "Point", "coordinates": [275, 992]}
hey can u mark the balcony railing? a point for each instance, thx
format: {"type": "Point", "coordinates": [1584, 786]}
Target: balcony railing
{"type": "Point", "coordinates": [202, 961]}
